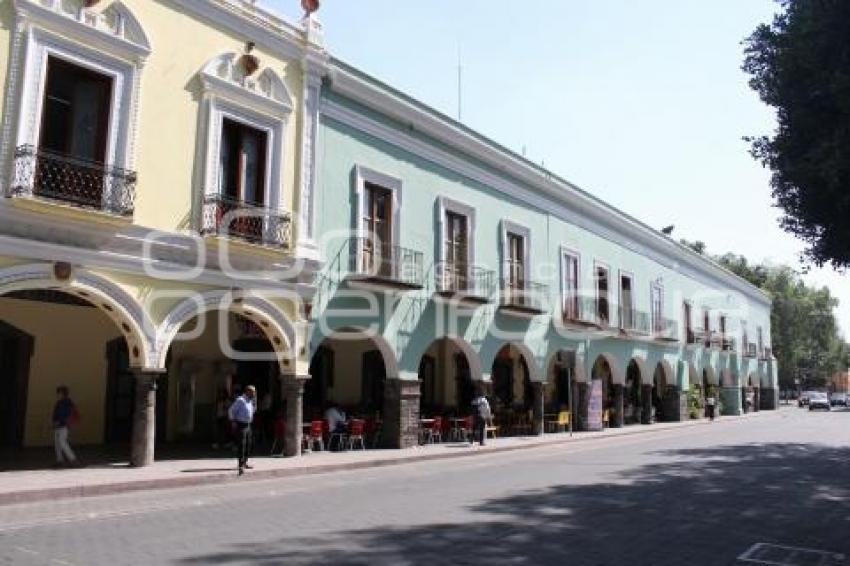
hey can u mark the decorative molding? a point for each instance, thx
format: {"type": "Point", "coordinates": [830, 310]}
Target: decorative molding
{"type": "Point", "coordinates": [311, 102]}
{"type": "Point", "coordinates": [560, 198]}
{"type": "Point", "coordinates": [274, 323]}
{"type": "Point", "coordinates": [505, 227]}
{"type": "Point", "coordinates": [444, 205]}
{"type": "Point", "coordinates": [136, 326]}
{"type": "Point", "coordinates": [264, 92]}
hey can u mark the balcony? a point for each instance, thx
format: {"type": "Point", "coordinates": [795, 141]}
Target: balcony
{"type": "Point", "coordinates": [766, 354]}
{"type": "Point", "coordinates": [750, 350]}
{"type": "Point", "coordinates": [588, 311]}
{"type": "Point", "coordinates": [379, 265]}
{"type": "Point", "coordinates": [468, 286]}
{"type": "Point", "coordinates": [702, 337]}
{"type": "Point", "coordinates": [728, 344]}
{"type": "Point", "coordinates": [247, 222]}
{"type": "Point", "coordinates": [527, 300]}
{"type": "Point", "coordinates": [72, 181]}
{"type": "Point", "coordinates": [633, 321]}
{"type": "Point", "coordinates": [665, 330]}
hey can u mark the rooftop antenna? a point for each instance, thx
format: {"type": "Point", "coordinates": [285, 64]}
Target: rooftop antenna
{"type": "Point", "coordinates": [459, 86]}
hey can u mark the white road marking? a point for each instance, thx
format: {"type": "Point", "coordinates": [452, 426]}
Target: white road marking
{"type": "Point", "coordinates": [777, 555]}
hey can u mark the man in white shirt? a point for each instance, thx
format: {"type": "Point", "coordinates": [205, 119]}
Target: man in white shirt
{"type": "Point", "coordinates": [481, 415]}
{"type": "Point", "coordinates": [336, 419]}
{"type": "Point", "coordinates": [241, 414]}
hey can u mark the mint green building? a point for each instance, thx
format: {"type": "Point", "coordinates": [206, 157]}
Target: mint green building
{"type": "Point", "coordinates": [451, 263]}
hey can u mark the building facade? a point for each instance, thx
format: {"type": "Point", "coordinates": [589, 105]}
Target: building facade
{"type": "Point", "coordinates": [198, 197]}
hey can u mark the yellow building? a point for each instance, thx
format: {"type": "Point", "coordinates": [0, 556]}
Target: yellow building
{"type": "Point", "coordinates": [157, 163]}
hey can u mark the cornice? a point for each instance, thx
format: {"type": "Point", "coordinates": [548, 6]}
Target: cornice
{"type": "Point", "coordinates": [572, 204]}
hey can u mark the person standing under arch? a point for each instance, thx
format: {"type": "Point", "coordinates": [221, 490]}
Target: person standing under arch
{"type": "Point", "coordinates": [65, 415]}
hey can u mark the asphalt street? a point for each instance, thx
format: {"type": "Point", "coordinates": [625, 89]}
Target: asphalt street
{"type": "Point", "coordinates": [695, 495]}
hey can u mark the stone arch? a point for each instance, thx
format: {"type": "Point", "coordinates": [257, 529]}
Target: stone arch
{"type": "Point", "coordinates": [119, 306]}
{"type": "Point", "coordinates": [472, 357]}
{"type": "Point", "coordinates": [645, 375]}
{"type": "Point", "coordinates": [534, 373]}
{"type": "Point", "coordinates": [381, 344]}
{"type": "Point", "coordinates": [618, 377]}
{"type": "Point", "coordinates": [274, 323]}
{"type": "Point", "coordinates": [664, 370]}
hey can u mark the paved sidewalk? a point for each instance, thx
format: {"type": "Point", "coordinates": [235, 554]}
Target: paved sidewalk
{"type": "Point", "coordinates": [34, 485]}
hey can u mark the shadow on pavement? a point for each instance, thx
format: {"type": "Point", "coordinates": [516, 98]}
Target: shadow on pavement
{"type": "Point", "coordinates": [700, 506]}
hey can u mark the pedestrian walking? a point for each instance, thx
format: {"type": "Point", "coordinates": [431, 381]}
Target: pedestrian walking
{"type": "Point", "coordinates": [65, 415]}
{"type": "Point", "coordinates": [710, 403]}
{"type": "Point", "coordinates": [241, 414]}
{"type": "Point", "coordinates": [481, 416]}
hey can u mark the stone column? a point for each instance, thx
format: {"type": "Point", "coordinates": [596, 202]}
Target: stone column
{"type": "Point", "coordinates": [580, 404]}
{"type": "Point", "coordinates": [617, 415]}
{"type": "Point", "coordinates": [769, 399]}
{"type": "Point", "coordinates": [144, 420]}
{"type": "Point", "coordinates": [400, 428]}
{"type": "Point", "coordinates": [293, 395]}
{"type": "Point", "coordinates": [538, 409]}
{"type": "Point", "coordinates": [646, 403]}
{"type": "Point", "coordinates": [730, 398]}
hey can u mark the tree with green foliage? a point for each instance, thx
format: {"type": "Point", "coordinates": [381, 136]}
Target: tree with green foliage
{"type": "Point", "coordinates": [800, 65]}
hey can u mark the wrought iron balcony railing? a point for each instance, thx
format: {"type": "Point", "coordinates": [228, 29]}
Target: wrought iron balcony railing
{"type": "Point", "coordinates": [528, 296]}
{"type": "Point", "coordinates": [73, 181]}
{"type": "Point", "coordinates": [473, 281]}
{"type": "Point", "coordinates": [634, 321]}
{"type": "Point", "coordinates": [703, 337]}
{"type": "Point", "coordinates": [665, 329]}
{"type": "Point", "coordinates": [728, 344]}
{"type": "Point", "coordinates": [767, 354]}
{"type": "Point", "coordinates": [379, 260]}
{"type": "Point", "coordinates": [252, 223]}
{"type": "Point", "coordinates": [749, 350]}
{"type": "Point", "coordinates": [596, 312]}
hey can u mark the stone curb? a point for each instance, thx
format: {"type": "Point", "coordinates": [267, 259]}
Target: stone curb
{"type": "Point", "coordinates": [72, 492]}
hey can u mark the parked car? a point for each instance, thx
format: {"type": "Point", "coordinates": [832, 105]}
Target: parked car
{"type": "Point", "coordinates": [804, 399]}
{"type": "Point", "coordinates": [838, 399]}
{"type": "Point", "coordinates": [818, 400]}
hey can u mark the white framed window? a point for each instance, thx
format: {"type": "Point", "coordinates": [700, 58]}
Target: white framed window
{"type": "Point", "coordinates": [246, 123]}
{"type": "Point", "coordinates": [516, 260]}
{"type": "Point", "coordinates": [91, 62]}
{"type": "Point", "coordinates": [570, 276]}
{"type": "Point", "coordinates": [456, 251]}
{"type": "Point", "coordinates": [378, 199]}
{"type": "Point", "coordinates": [656, 301]}
{"type": "Point", "coordinates": [626, 300]}
{"type": "Point", "coordinates": [602, 282]}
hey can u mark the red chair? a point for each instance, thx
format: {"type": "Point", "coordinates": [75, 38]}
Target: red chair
{"type": "Point", "coordinates": [316, 435]}
{"type": "Point", "coordinates": [465, 430]}
{"type": "Point", "coordinates": [435, 433]}
{"type": "Point", "coordinates": [356, 428]}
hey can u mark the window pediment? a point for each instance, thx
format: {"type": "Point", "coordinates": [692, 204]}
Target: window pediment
{"type": "Point", "coordinates": [227, 76]}
{"type": "Point", "coordinates": [115, 28]}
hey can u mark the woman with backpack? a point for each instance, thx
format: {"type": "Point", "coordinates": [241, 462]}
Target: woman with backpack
{"type": "Point", "coordinates": [65, 415]}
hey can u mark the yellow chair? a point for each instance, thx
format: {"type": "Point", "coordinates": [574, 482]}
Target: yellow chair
{"type": "Point", "coordinates": [559, 425]}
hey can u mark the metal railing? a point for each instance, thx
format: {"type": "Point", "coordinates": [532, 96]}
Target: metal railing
{"type": "Point", "coordinates": [374, 258]}
{"type": "Point", "coordinates": [466, 280]}
{"type": "Point", "coordinates": [529, 295]}
{"type": "Point", "coordinates": [750, 350]}
{"type": "Point", "coordinates": [728, 344]}
{"type": "Point", "coordinates": [72, 180]}
{"type": "Point", "coordinates": [634, 321]}
{"type": "Point", "coordinates": [596, 312]}
{"type": "Point", "coordinates": [665, 329]}
{"type": "Point", "coordinates": [767, 354]}
{"type": "Point", "coordinates": [252, 223]}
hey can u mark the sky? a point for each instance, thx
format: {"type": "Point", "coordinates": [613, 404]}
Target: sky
{"type": "Point", "coordinates": [642, 104]}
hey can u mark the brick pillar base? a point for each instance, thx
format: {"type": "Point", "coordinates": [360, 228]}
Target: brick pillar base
{"type": "Point", "coordinates": [580, 405]}
{"type": "Point", "coordinates": [616, 415]}
{"type": "Point", "coordinates": [400, 428]}
{"type": "Point", "coordinates": [144, 420]}
{"type": "Point", "coordinates": [293, 395]}
{"type": "Point", "coordinates": [730, 400]}
{"type": "Point", "coordinates": [538, 410]}
{"type": "Point", "coordinates": [769, 399]}
{"type": "Point", "coordinates": [674, 404]}
{"type": "Point", "coordinates": [646, 404]}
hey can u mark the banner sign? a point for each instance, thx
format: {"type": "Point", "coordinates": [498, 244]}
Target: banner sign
{"type": "Point", "coordinates": [594, 406]}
